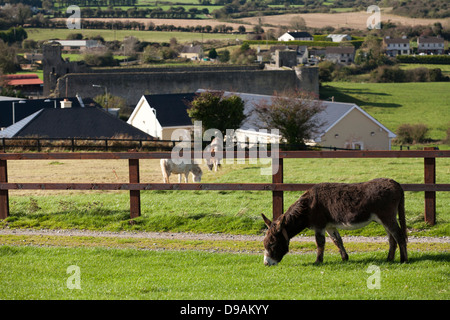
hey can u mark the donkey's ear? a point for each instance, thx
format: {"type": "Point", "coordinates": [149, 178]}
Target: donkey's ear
{"type": "Point", "coordinates": [266, 220]}
{"type": "Point", "coordinates": [280, 222]}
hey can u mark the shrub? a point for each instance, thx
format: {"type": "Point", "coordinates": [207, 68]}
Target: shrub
{"type": "Point", "coordinates": [412, 133]}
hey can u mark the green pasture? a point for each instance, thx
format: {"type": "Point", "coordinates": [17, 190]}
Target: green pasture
{"type": "Point", "coordinates": [40, 34]}
{"type": "Point", "coordinates": [29, 272]}
{"type": "Point", "coordinates": [236, 212]}
{"type": "Point", "coordinates": [394, 104]}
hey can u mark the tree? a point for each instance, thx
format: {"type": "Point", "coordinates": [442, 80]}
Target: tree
{"type": "Point", "coordinates": [212, 54]}
{"type": "Point", "coordinates": [293, 113]}
{"type": "Point", "coordinates": [216, 111]}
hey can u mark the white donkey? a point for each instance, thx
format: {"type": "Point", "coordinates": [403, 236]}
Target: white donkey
{"type": "Point", "coordinates": [215, 146]}
{"type": "Point", "coordinates": [168, 167]}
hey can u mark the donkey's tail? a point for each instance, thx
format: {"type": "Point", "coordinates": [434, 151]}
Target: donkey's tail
{"type": "Point", "coordinates": [401, 215]}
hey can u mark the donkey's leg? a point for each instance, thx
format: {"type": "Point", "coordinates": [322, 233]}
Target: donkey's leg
{"type": "Point", "coordinates": [392, 246]}
{"type": "Point", "coordinates": [395, 232]}
{"type": "Point", "coordinates": [336, 237]}
{"type": "Point", "coordinates": [320, 241]}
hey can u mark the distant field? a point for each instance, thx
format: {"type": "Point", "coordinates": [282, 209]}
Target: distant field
{"type": "Point", "coordinates": [110, 35]}
{"type": "Point", "coordinates": [354, 20]}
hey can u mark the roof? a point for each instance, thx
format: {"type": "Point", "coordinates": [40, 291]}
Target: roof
{"type": "Point", "coordinates": [395, 40]}
{"type": "Point", "coordinates": [430, 40]}
{"type": "Point", "coordinates": [78, 43]}
{"type": "Point", "coordinates": [191, 49]}
{"type": "Point", "coordinates": [340, 50]}
{"type": "Point", "coordinates": [171, 109]}
{"type": "Point", "coordinates": [72, 123]}
{"type": "Point", "coordinates": [23, 79]}
{"type": "Point", "coordinates": [333, 113]}
{"type": "Point", "coordinates": [24, 108]}
{"type": "Point", "coordinates": [300, 34]}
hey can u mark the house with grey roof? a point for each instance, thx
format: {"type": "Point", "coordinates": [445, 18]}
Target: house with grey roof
{"type": "Point", "coordinates": [430, 45]}
{"type": "Point", "coordinates": [341, 55]}
{"type": "Point", "coordinates": [345, 125]}
{"type": "Point", "coordinates": [296, 35]}
{"type": "Point", "coordinates": [396, 46]}
{"type": "Point", "coordinates": [192, 52]}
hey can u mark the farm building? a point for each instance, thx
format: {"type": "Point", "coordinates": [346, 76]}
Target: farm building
{"type": "Point", "coordinates": [78, 45]}
{"type": "Point", "coordinates": [27, 83]}
{"type": "Point", "coordinates": [339, 37]}
{"type": "Point", "coordinates": [192, 52]}
{"type": "Point", "coordinates": [346, 125]}
{"type": "Point", "coordinates": [160, 114]}
{"type": "Point", "coordinates": [65, 121]}
{"type": "Point", "coordinates": [296, 35]}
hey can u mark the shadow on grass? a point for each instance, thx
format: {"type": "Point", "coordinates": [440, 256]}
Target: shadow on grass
{"type": "Point", "coordinates": [346, 95]}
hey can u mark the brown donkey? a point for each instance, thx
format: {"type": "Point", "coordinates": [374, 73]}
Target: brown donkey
{"type": "Point", "coordinates": [328, 206]}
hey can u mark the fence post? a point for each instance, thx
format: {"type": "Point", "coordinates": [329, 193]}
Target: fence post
{"type": "Point", "coordinates": [430, 196]}
{"type": "Point", "coordinates": [277, 196]}
{"type": "Point", "coordinates": [135, 195]}
{"type": "Point", "coordinates": [4, 198]}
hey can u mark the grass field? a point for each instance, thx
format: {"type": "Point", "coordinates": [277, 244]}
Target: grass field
{"type": "Point", "coordinates": [38, 34]}
{"type": "Point", "coordinates": [396, 103]}
{"type": "Point", "coordinates": [203, 211]}
{"type": "Point", "coordinates": [41, 273]}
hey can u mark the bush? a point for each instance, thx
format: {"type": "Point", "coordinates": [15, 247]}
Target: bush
{"type": "Point", "coordinates": [434, 59]}
{"type": "Point", "coordinates": [411, 133]}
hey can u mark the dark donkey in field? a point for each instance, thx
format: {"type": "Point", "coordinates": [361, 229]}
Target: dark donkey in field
{"type": "Point", "coordinates": [328, 206]}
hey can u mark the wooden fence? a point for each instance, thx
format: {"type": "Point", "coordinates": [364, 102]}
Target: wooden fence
{"type": "Point", "coordinates": [277, 187]}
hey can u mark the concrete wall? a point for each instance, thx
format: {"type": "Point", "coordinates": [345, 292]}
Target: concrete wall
{"type": "Point", "coordinates": [132, 86]}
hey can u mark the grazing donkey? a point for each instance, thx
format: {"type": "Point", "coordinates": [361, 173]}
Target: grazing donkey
{"type": "Point", "coordinates": [168, 167]}
{"type": "Point", "coordinates": [327, 206]}
{"type": "Point", "coordinates": [215, 147]}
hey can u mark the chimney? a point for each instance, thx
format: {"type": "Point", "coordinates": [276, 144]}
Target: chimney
{"type": "Point", "coordinates": [66, 104]}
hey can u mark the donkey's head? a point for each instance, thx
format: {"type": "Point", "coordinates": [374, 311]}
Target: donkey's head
{"type": "Point", "coordinates": [197, 173]}
{"type": "Point", "coordinates": [276, 242]}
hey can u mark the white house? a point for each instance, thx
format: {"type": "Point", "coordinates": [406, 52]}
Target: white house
{"type": "Point", "coordinates": [296, 35]}
{"type": "Point", "coordinates": [396, 46]}
{"type": "Point", "coordinates": [160, 114]}
{"type": "Point", "coordinates": [430, 45]}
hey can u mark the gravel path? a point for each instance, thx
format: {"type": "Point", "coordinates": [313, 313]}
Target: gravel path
{"type": "Point", "coordinates": [197, 236]}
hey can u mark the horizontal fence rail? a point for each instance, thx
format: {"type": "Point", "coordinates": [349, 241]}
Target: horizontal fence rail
{"type": "Point", "coordinates": [277, 187]}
